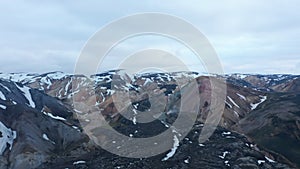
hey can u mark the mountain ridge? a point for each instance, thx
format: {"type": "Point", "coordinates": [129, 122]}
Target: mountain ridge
{"type": "Point", "coordinates": [50, 91]}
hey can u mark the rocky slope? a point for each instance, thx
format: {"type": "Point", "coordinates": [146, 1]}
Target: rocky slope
{"type": "Point", "coordinates": [33, 126]}
{"type": "Point", "coordinates": [276, 125]}
{"type": "Point", "coordinates": [224, 150]}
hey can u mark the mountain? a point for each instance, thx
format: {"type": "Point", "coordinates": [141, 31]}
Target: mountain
{"type": "Point", "coordinates": [275, 83]}
{"type": "Point", "coordinates": [276, 125]}
{"type": "Point", "coordinates": [34, 126]}
{"type": "Point", "coordinates": [290, 86]}
{"type": "Point", "coordinates": [44, 118]}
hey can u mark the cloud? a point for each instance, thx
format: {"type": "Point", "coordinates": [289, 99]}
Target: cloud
{"type": "Point", "coordinates": [249, 36]}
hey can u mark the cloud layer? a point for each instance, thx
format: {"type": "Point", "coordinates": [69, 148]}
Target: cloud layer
{"type": "Point", "coordinates": [249, 36]}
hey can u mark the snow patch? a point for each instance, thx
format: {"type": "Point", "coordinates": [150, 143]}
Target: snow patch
{"type": "Point", "coordinates": [224, 154]}
{"type": "Point", "coordinates": [8, 137]}
{"type": "Point", "coordinates": [242, 76]}
{"type": "Point", "coordinates": [255, 105]}
{"type": "Point", "coordinates": [79, 162]}
{"type": "Point", "coordinates": [226, 133]}
{"type": "Point", "coordinates": [134, 120]}
{"type": "Point", "coordinates": [241, 96]}
{"type": "Point", "coordinates": [147, 81]}
{"type": "Point", "coordinates": [110, 92]}
{"type": "Point", "coordinates": [236, 113]}
{"type": "Point", "coordinates": [134, 117]}
{"type": "Point", "coordinates": [67, 86]}
{"type": "Point", "coordinates": [231, 100]}
{"type": "Point", "coordinates": [173, 150]}
{"type": "Point", "coordinates": [2, 106]}
{"type": "Point", "coordinates": [230, 137]}
{"type": "Point", "coordinates": [187, 161]}
{"type": "Point", "coordinates": [45, 136]}
{"type": "Point", "coordinates": [270, 160]}
{"type": "Point", "coordinates": [78, 111]}
{"type": "Point", "coordinates": [228, 104]}
{"type": "Point", "coordinates": [54, 117]}
{"type": "Point", "coordinates": [6, 88]}
{"type": "Point", "coordinates": [47, 81]}
{"type": "Point", "coordinates": [2, 96]}
{"type": "Point", "coordinates": [27, 94]}
{"type": "Point", "coordinates": [17, 77]}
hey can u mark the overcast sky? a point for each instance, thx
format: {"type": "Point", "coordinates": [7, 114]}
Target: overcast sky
{"type": "Point", "coordinates": [249, 36]}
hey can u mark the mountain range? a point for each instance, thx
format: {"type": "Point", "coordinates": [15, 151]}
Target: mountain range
{"type": "Point", "coordinates": [43, 123]}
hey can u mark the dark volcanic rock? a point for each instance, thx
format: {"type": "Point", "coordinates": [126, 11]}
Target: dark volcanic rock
{"type": "Point", "coordinates": [276, 125]}
{"type": "Point", "coordinates": [43, 126]}
{"type": "Point", "coordinates": [223, 150]}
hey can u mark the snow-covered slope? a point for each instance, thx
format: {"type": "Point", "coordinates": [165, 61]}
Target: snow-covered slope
{"type": "Point", "coordinates": [7, 137]}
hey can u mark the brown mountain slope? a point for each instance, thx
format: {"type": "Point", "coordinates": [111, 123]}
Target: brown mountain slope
{"type": "Point", "coordinates": [276, 125]}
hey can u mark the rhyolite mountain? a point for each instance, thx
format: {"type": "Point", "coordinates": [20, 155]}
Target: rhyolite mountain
{"type": "Point", "coordinates": [39, 125]}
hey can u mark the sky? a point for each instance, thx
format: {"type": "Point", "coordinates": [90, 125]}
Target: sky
{"type": "Point", "coordinates": [248, 36]}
